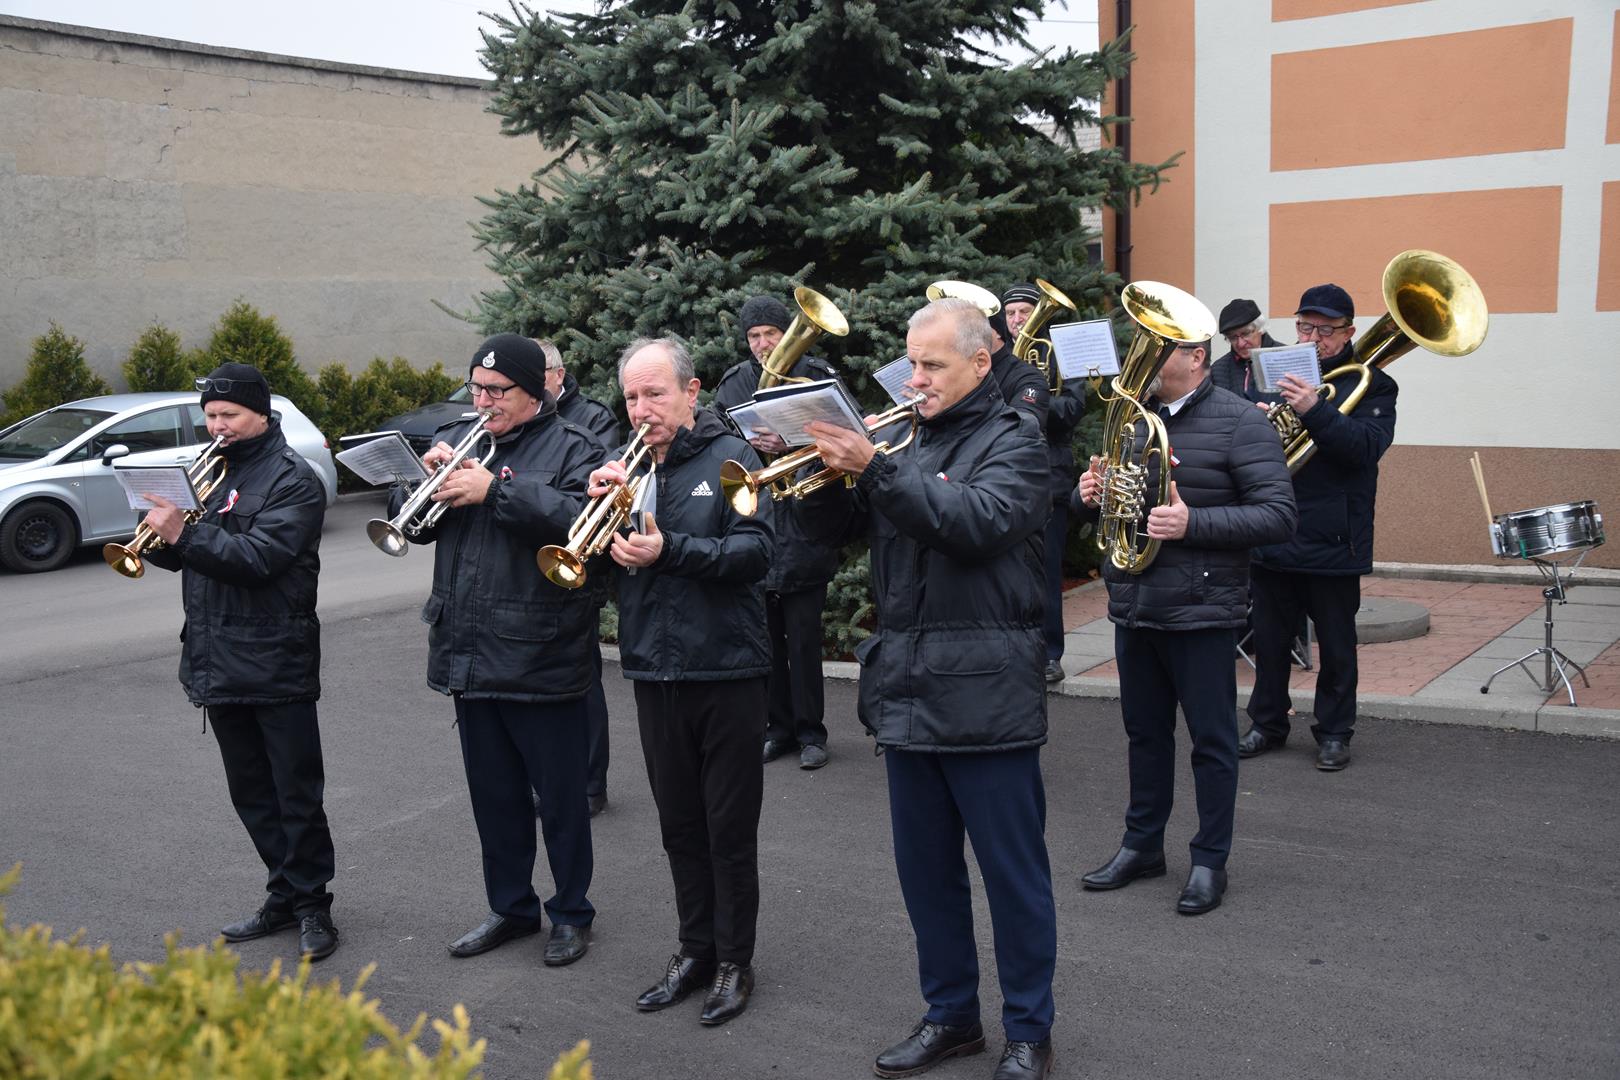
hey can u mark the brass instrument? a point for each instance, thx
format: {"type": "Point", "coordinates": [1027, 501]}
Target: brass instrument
{"type": "Point", "coordinates": [1432, 302]}
{"type": "Point", "coordinates": [1165, 318]}
{"type": "Point", "coordinates": [817, 315]}
{"type": "Point", "coordinates": [741, 487]}
{"type": "Point", "coordinates": [592, 532]}
{"type": "Point", "coordinates": [206, 474]}
{"type": "Point", "coordinates": [419, 513]}
{"type": "Point", "coordinates": [977, 295]}
{"type": "Point", "coordinates": [1026, 344]}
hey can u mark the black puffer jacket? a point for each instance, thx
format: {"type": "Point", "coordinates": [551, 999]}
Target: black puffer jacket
{"type": "Point", "coordinates": [248, 568]}
{"type": "Point", "coordinates": [588, 413]}
{"type": "Point", "coordinates": [1337, 490]}
{"type": "Point", "coordinates": [496, 627]}
{"type": "Point", "coordinates": [1231, 374]}
{"type": "Point", "coordinates": [955, 522]}
{"type": "Point", "coordinates": [1230, 472]}
{"type": "Point", "coordinates": [698, 613]}
{"type": "Point", "coordinates": [1021, 385]}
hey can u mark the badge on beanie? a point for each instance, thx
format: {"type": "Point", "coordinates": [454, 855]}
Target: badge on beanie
{"type": "Point", "coordinates": [489, 360]}
{"type": "Point", "coordinates": [230, 501]}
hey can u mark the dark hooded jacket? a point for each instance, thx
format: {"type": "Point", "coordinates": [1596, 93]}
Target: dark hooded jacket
{"type": "Point", "coordinates": [1230, 373]}
{"type": "Point", "coordinates": [1021, 385]}
{"type": "Point", "coordinates": [698, 613]}
{"type": "Point", "coordinates": [588, 413]}
{"type": "Point", "coordinates": [497, 628]}
{"type": "Point", "coordinates": [248, 567]}
{"type": "Point", "coordinates": [955, 522]}
{"type": "Point", "coordinates": [1065, 407]}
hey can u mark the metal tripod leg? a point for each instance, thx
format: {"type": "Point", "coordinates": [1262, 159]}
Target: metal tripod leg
{"type": "Point", "coordinates": [1555, 660]}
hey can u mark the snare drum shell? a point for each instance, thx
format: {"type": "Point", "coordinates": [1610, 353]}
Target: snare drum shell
{"type": "Point", "coordinates": [1547, 530]}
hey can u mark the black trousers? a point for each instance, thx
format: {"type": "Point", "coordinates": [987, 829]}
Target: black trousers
{"type": "Point", "coordinates": [797, 703]}
{"type": "Point", "coordinates": [1057, 535]}
{"type": "Point", "coordinates": [509, 747]}
{"type": "Point", "coordinates": [277, 779]}
{"type": "Point", "coordinates": [596, 716]}
{"type": "Point", "coordinates": [1280, 603]}
{"type": "Point", "coordinates": [1157, 670]}
{"type": "Point", "coordinates": [701, 744]}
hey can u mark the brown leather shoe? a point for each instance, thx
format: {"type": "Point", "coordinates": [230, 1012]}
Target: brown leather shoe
{"type": "Point", "coordinates": [681, 977]}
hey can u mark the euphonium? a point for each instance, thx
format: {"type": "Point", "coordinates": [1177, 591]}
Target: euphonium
{"type": "Point", "coordinates": [1432, 302]}
{"type": "Point", "coordinates": [206, 474]}
{"type": "Point", "coordinates": [564, 564]}
{"type": "Point", "coordinates": [419, 513]}
{"type": "Point", "coordinates": [977, 295]}
{"type": "Point", "coordinates": [1165, 318]}
{"type": "Point", "coordinates": [741, 487]}
{"type": "Point", "coordinates": [1026, 346]}
{"type": "Point", "coordinates": [817, 315]}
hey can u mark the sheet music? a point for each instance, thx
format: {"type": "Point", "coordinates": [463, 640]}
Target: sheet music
{"type": "Point", "coordinates": [169, 481]}
{"type": "Point", "coordinates": [1085, 350]}
{"type": "Point", "coordinates": [786, 410]}
{"type": "Point", "coordinates": [893, 377]}
{"type": "Point", "coordinates": [1274, 363]}
{"type": "Point", "coordinates": [746, 419]}
{"type": "Point", "coordinates": [382, 457]}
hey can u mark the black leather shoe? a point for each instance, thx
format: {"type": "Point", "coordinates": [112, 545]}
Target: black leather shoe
{"type": "Point", "coordinates": [598, 802]}
{"type": "Point", "coordinates": [267, 920]}
{"type": "Point", "coordinates": [813, 757]}
{"type": "Point", "coordinates": [1055, 672]}
{"type": "Point", "coordinates": [317, 937]}
{"type": "Point", "coordinates": [1332, 755]}
{"type": "Point", "coordinates": [1256, 742]}
{"type": "Point", "coordinates": [775, 748]}
{"type": "Point", "coordinates": [566, 944]}
{"type": "Point", "coordinates": [493, 931]}
{"type": "Point", "coordinates": [1025, 1061]}
{"type": "Point", "coordinates": [928, 1045]}
{"type": "Point", "coordinates": [1125, 867]}
{"type": "Point", "coordinates": [682, 976]}
{"type": "Point", "coordinates": [1205, 887]}
{"type": "Point", "coordinates": [728, 996]}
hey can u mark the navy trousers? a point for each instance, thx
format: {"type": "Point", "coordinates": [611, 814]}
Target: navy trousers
{"type": "Point", "coordinates": [998, 802]}
{"type": "Point", "coordinates": [1281, 601]}
{"type": "Point", "coordinates": [1159, 669]}
{"type": "Point", "coordinates": [596, 715]}
{"type": "Point", "coordinates": [277, 781]}
{"type": "Point", "coordinates": [509, 748]}
{"type": "Point", "coordinates": [797, 701]}
{"type": "Point", "coordinates": [1057, 536]}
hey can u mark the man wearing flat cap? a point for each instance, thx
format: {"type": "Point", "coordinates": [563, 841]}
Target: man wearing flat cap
{"type": "Point", "coordinates": [1244, 329]}
{"type": "Point", "coordinates": [512, 650]}
{"type": "Point", "coordinates": [1318, 572]}
{"type": "Point", "coordinates": [250, 653]}
{"type": "Point", "coordinates": [796, 585]}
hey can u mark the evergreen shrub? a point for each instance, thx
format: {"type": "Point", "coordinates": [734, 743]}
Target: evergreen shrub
{"type": "Point", "coordinates": [56, 373]}
{"type": "Point", "coordinates": [157, 363]}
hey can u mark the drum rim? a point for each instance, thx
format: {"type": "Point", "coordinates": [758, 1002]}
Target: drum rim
{"type": "Point", "coordinates": [1541, 511]}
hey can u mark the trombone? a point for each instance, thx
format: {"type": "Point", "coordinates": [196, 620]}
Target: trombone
{"type": "Point", "coordinates": [205, 474]}
{"type": "Point", "coordinates": [742, 487]}
{"type": "Point", "coordinates": [417, 515]}
{"type": "Point", "coordinates": [1026, 346]}
{"type": "Point", "coordinates": [591, 533]}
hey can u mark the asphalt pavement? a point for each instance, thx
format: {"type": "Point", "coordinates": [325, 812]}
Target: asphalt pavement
{"type": "Point", "coordinates": [1446, 907]}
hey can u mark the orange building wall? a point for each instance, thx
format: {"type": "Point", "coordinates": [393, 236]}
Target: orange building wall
{"type": "Point", "coordinates": [1284, 10]}
{"type": "Point", "coordinates": [1614, 82]}
{"type": "Point", "coordinates": [1608, 290]}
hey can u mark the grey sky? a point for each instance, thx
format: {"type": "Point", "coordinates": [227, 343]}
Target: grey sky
{"type": "Point", "coordinates": [439, 36]}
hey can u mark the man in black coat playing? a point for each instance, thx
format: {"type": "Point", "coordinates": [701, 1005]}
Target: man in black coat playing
{"type": "Point", "coordinates": [1175, 622]}
{"type": "Point", "coordinates": [251, 648]}
{"type": "Point", "coordinates": [951, 683]}
{"type": "Point", "coordinates": [1317, 572]}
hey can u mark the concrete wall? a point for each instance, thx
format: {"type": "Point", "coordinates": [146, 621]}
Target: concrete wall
{"type": "Point", "coordinates": [145, 179]}
{"type": "Point", "coordinates": [1325, 136]}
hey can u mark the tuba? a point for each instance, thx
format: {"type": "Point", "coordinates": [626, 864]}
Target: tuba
{"type": "Point", "coordinates": [592, 532]}
{"type": "Point", "coordinates": [1026, 346]}
{"type": "Point", "coordinates": [420, 513]}
{"type": "Point", "coordinates": [206, 474]}
{"type": "Point", "coordinates": [977, 295]}
{"type": "Point", "coordinates": [741, 487]}
{"type": "Point", "coordinates": [1432, 302]}
{"type": "Point", "coordinates": [1165, 318]}
{"type": "Point", "coordinates": [817, 315]}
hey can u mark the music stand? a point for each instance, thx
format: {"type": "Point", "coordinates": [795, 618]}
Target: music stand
{"type": "Point", "coordinates": [1559, 573]}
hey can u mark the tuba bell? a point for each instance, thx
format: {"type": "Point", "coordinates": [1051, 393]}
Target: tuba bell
{"type": "Point", "coordinates": [1026, 346]}
{"type": "Point", "coordinates": [817, 315]}
{"type": "Point", "coordinates": [977, 295]}
{"type": "Point", "coordinates": [1165, 318]}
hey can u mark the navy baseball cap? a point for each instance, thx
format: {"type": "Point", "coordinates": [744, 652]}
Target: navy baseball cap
{"type": "Point", "coordinates": [1329, 300]}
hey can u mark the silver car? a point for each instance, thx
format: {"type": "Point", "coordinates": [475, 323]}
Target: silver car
{"type": "Point", "coordinates": [58, 491]}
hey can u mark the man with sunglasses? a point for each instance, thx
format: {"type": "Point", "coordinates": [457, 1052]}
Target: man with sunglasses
{"type": "Point", "coordinates": [1318, 572]}
{"type": "Point", "coordinates": [512, 649]}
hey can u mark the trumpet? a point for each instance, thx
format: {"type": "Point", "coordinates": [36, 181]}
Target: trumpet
{"type": "Point", "coordinates": [1026, 346]}
{"type": "Point", "coordinates": [742, 487]}
{"type": "Point", "coordinates": [419, 513]}
{"type": "Point", "coordinates": [591, 533]}
{"type": "Point", "coordinates": [205, 474]}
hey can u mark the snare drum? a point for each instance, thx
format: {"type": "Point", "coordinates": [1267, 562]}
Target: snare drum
{"type": "Point", "coordinates": [1547, 530]}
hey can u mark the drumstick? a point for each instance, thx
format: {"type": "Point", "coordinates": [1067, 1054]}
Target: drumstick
{"type": "Point", "coordinates": [1479, 482]}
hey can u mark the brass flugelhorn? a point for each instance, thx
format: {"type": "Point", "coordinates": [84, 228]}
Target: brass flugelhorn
{"type": "Point", "coordinates": [419, 513]}
{"type": "Point", "coordinates": [817, 315]}
{"type": "Point", "coordinates": [591, 533]}
{"type": "Point", "coordinates": [742, 487]}
{"type": "Point", "coordinates": [1026, 346]}
{"type": "Point", "coordinates": [206, 474]}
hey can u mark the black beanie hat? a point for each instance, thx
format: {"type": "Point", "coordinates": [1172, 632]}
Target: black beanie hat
{"type": "Point", "coordinates": [516, 357]}
{"type": "Point", "coordinates": [762, 311]}
{"type": "Point", "coordinates": [239, 383]}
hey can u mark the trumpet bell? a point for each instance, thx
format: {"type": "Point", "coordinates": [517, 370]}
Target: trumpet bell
{"type": "Point", "coordinates": [387, 537]}
{"type": "Point", "coordinates": [739, 488]}
{"type": "Point", "coordinates": [124, 560]}
{"type": "Point", "coordinates": [561, 566]}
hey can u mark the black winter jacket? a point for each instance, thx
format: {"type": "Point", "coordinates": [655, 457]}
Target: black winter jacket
{"type": "Point", "coordinates": [588, 413]}
{"type": "Point", "coordinates": [955, 522]}
{"type": "Point", "coordinates": [1337, 490]}
{"type": "Point", "coordinates": [248, 568]}
{"type": "Point", "coordinates": [496, 627]}
{"type": "Point", "coordinates": [698, 613]}
{"type": "Point", "coordinates": [1021, 385]}
{"type": "Point", "coordinates": [1229, 374]}
{"type": "Point", "coordinates": [1229, 470]}
{"type": "Point", "coordinates": [1064, 409]}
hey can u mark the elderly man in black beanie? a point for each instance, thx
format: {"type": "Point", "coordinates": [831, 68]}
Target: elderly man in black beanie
{"type": "Point", "coordinates": [796, 586]}
{"type": "Point", "coordinates": [513, 650]}
{"type": "Point", "coordinates": [1244, 329]}
{"type": "Point", "coordinates": [251, 653]}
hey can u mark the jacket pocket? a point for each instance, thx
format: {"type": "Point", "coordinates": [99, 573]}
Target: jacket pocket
{"type": "Point", "coordinates": [517, 623]}
{"type": "Point", "coordinates": [433, 609]}
{"type": "Point", "coordinates": [971, 656]}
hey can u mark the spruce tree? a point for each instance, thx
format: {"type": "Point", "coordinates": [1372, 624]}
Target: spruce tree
{"type": "Point", "coordinates": [57, 373]}
{"type": "Point", "coordinates": [156, 362]}
{"type": "Point", "coordinates": [244, 335]}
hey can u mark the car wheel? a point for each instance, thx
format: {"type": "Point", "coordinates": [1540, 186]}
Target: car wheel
{"type": "Point", "coordinates": [37, 536]}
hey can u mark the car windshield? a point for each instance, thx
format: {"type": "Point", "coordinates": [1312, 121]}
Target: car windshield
{"type": "Point", "coordinates": [40, 435]}
{"type": "Point", "coordinates": [461, 394]}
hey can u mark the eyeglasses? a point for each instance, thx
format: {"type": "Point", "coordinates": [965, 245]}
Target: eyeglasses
{"type": "Point", "coordinates": [1233, 339]}
{"type": "Point", "coordinates": [220, 386]}
{"type": "Point", "coordinates": [1318, 329]}
{"type": "Point", "coordinates": [495, 393]}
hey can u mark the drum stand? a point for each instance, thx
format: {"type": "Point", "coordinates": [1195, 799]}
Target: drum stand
{"type": "Point", "coordinates": [1556, 661]}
